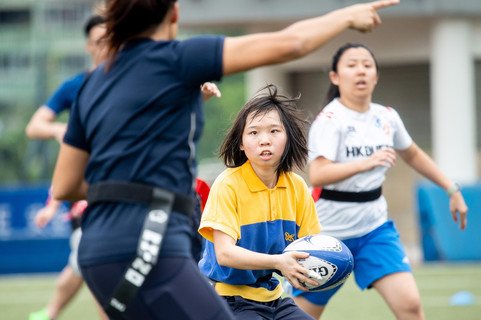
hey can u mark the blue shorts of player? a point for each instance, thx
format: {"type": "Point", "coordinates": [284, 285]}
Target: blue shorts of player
{"type": "Point", "coordinates": [282, 309]}
{"type": "Point", "coordinates": [376, 254]}
{"type": "Point", "coordinates": [179, 291]}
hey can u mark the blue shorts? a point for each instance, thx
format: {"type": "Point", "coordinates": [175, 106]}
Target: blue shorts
{"type": "Point", "coordinates": [376, 255]}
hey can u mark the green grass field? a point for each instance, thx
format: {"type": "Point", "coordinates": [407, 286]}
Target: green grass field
{"type": "Point", "coordinates": [437, 282]}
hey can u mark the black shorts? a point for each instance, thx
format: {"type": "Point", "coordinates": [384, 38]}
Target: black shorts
{"type": "Point", "coordinates": [174, 289]}
{"type": "Point", "coordinates": [280, 309]}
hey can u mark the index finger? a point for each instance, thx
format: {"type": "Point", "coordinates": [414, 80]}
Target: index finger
{"type": "Point", "coordinates": [383, 3]}
{"type": "Point", "coordinates": [463, 220]}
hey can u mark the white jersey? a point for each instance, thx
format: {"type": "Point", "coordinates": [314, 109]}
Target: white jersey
{"type": "Point", "coordinates": [341, 134]}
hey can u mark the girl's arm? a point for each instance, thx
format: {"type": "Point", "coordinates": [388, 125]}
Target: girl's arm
{"type": "Point", "coordinates": [323, 171]}
{"type": "Point", "coordinates": [230, 255]}
{"type": "Point", "coordinates": [42, 125]}
{"type": "Point", "coordinates": [68, 177]}
{"type": "Point", "coordinates": [422, 163]}
{"type": "Point", "coordinates": [299, 39]}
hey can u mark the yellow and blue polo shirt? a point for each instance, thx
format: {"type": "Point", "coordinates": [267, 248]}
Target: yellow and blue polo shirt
{"type": "Point", "coordinates": [260, 219]}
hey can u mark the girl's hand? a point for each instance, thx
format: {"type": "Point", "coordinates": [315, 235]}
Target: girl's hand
{"type": "Point", "coordinates": [384, 157]}
{"type": "Point", "coordinates": [43, 217]}
{"type": "Point", "coordinates": [208, 90]}
{"type": "Point", "coordinates": [293, 271]}
{"type": "Point", "coordinates": [457, 204]}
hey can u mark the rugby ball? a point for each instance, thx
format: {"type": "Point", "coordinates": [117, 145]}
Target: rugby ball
{"type": "Point", "coordinates": [330, 261]}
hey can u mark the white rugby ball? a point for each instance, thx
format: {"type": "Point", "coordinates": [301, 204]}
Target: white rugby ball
{"type": "Point", "coordinates": [330, 261]}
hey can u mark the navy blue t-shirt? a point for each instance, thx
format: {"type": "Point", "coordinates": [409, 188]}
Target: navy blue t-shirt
{"type": "Point", "coordinates": [139, 121]}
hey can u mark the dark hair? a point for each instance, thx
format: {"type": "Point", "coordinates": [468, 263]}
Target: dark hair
{"type": "Point", "coordinates": [126, 19]}
{"type": "Point", "coordinates": [333, 91]}
{"type": "Point", "coordinates": [92, 22]}
{"type": "Point", "coordinates": [295, 152]}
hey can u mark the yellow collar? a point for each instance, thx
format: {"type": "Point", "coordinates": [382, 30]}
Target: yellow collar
{"type": "Point", "coordinates": [254, 183]}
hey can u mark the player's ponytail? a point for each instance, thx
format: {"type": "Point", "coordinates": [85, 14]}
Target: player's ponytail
{"type": "Point", "coordinates": [128, 19]}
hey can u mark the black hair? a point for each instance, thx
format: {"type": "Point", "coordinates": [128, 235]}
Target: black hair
{"type": "Point", "coordinates": [295, 152]}
{"type": "Point", "coordinates": [126, 19]}
{"type": "Point", "coordinates": [92, 22]}
{"type": "Point", "coordinates": [333, 91]}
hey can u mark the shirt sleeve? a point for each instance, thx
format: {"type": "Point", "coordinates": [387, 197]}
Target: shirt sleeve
{"type": "Point", "coordinates": [401, 139]}
{"type": "Point", "coordinates": [324, 137]}
{"type": "Point", "coordinates": [64, 96]}
{"type": "Point", "coordinates": [75, 135]}
{"type": "Point", "coordinates": [201, 59]}
{"type": "Point", "coordinates": [220, 212]}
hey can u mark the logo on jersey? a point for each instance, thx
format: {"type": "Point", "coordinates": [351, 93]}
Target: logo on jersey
{"type": "Point", "coordinates": [362, 151]}
{"type": "Point", "coordinates": [288, 236]}
{"type": "Point", "coordinates": [384, 126]}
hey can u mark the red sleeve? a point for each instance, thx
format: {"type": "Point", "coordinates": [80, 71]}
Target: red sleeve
{"type": "Point", "coordinates": [316, 193]}
{"type": "Point", "coordinates": [202, 189]}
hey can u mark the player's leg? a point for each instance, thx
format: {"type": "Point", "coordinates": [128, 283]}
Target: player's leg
{"type": "Point", "coordinates": [382, 263]}
{"type": "Point", "coordinates": [287, 309]}
{"type": "Point", "coordinates": [312, 309]}
{"type": "Point", "coordinates": [68, 284]}
{"type": "Point", "coordinates": [100, 310]}
{"type": "Point", "coordinates": [400, 292]}
{"type": "Point", "coordinates": [313, 303]}
{"type": "Point", "coordinates": [181, 287]}
{"type": "Point", "coordinates": [74, 245]}
{"type": "Point", "coordinates": [69, 281]}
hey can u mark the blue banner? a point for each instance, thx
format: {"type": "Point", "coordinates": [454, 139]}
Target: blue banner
{"type": "Point", "coordinates": [24, 247]}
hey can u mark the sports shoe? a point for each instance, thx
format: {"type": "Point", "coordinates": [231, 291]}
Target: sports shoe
{"type": "Point", "coordinates": [39, 315]}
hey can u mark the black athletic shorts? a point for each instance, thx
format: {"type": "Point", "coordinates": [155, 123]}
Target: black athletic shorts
{"type": "Point", "coordinates": [174, 289]}
{"type": "Point", "coordinates": [280, 309]}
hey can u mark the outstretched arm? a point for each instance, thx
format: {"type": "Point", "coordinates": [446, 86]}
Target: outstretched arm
{"type": "Point", "coordinates": [422, 163]}
{"type": "Point", "coordinates": [299, 39]}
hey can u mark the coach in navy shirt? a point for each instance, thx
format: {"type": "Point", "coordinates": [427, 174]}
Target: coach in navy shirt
{"type": "Point", "coordinates": [136, 120]}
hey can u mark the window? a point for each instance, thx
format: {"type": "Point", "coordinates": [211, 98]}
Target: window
{"type": "Point", "coordinates": [10, 61]}
{"type": "Point", "coordinates": [14, 16]}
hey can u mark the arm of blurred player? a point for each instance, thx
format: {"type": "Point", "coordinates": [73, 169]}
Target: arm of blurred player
{"type": "Point", "coordinates": [299, 39]}
{"type": "Point", "coordinates": [42, 125]}
{"type": "Point", "coordinates": [68, 178]}
{"type": "Point", "coordinates": [228, 254]}
{"type": "Point", "coordinates": [416, 158]}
